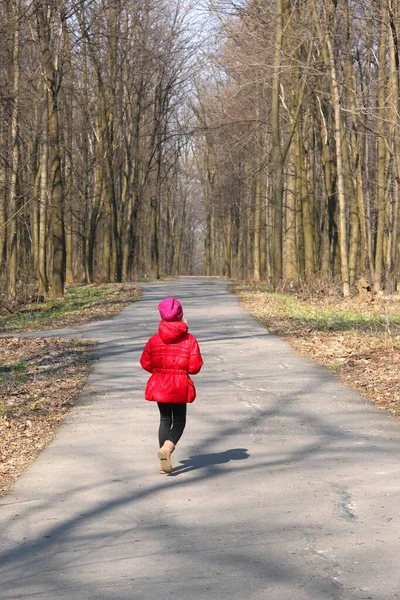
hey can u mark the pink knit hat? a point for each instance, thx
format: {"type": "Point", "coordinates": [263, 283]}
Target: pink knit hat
{"type": "Point", "coordinates": [170, 309]}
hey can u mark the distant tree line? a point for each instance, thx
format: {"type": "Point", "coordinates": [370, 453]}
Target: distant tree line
{"type": "Point", "coordinates": [95, 162]}
{"type": "Point", "coordinates": [292, 177]}
{"type": "Point", "coordinates": [299, 144]}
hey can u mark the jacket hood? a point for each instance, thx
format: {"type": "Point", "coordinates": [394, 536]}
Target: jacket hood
{"type": "Point", "coordinates": [172, 331]}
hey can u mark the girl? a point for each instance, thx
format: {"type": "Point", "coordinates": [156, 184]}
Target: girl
{"type": "Point", "coordinates": [170, 356]}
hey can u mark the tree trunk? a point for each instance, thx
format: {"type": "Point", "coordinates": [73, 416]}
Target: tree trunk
{"type": "Point", "coordinates": [336, 101]}
{"type": "Point", "coordinates": [308, 231]}
{"type": "Point", "coordinates": [381, 153]}
{"type": "Point", "coordinates": [44, 155]}
{"type": "Point", "coordinates": [358, 241]}
{"type": "Point", "coordinates": [276, 153]}
{"type": "Point", "coordinates": [70, 241]}
{"type": "Point", "coordinates": [51, 67]}
{"type": "Point", "coordinates": [57, 217]}
{"type": "Point", "coordinates": [393, 239]}
{"type": "Point", "coordinates": [13, 198]}
{"type": "Point", "coordinates": [291, 272]}
{"type": "Point", "coordinates": [257, 228]}
{"type": "Point", "coordinates": [329, 228]}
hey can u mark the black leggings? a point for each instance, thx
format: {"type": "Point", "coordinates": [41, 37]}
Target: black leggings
{"type": "Point", "coordinates": [172, 422]}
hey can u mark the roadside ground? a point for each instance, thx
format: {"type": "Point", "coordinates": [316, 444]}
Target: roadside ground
{"type": "Point", "coordinates": [359, 340]}
{"type": "Point", "coordinates": [41, 378]}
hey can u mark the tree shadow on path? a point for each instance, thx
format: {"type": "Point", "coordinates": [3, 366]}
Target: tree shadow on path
{"type": "Point", "coordinates": [200, 461]}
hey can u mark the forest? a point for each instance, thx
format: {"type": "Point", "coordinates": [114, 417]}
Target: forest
{"type": "Point", "coordinates": [255, 140]}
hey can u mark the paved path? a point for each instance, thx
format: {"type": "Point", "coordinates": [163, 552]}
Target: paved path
{"type": "Point", "coordinates": [286, 486]}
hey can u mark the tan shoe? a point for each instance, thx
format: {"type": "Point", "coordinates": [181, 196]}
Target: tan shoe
{"type": "Point", "coordinates": [164, 454]}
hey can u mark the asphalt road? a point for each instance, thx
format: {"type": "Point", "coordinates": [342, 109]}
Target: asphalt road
{"type": "Point", "coordinates": [286, 483]}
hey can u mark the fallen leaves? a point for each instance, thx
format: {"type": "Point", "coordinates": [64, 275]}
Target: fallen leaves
{"type": "Point", "coordinates": [40, 379]}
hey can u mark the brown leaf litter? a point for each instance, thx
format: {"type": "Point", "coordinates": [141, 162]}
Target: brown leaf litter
{"type": "Point", "coordinates": [40, 380]}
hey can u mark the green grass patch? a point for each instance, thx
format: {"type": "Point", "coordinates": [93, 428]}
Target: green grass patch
{"type": "Point", "coordinates": [12, 374]}
{"type": "Point", "coordinates": [316, 314]}
{"type": "Point", "coordinates": [17, 368]}
{"type": "Point", "coordinates": [78, 300]}
{"type": "Point", "coordinates": [325, 318]}
{"type": "Point", "coordinates": [12, 377]}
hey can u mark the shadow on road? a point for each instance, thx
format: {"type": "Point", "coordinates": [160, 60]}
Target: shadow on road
{"type": "Point", "coordinates": [116, 514]}
{"type": "Point", "coordinates": [199, 461]}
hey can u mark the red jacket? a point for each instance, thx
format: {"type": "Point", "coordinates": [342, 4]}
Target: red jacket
{"type": "Point", "coordinates": [170, 356]}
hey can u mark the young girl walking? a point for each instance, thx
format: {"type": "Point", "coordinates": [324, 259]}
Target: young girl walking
{"type": "Point", "coordinates": [170, 356]}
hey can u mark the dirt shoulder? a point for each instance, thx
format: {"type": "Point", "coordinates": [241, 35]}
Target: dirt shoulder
{"type": "Point", "coordinates": [81, 304]}
{"type": "Point", "coordinates": [41, 379]}
{"type": "Point", "coordinates": [358, 340]}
